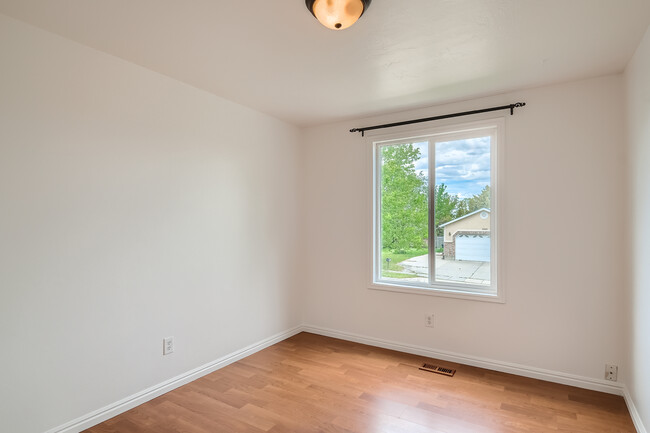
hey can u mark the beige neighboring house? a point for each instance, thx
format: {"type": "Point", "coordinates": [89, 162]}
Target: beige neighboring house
{"type": "Point", "coordinates": [468, 237]}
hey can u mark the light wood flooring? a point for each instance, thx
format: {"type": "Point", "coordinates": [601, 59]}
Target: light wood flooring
{"type": "Point", "coordinates": [309, 383]}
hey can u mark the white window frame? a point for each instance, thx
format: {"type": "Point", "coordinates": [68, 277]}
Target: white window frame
{"type": "Point", "coordinates": [495, 292]}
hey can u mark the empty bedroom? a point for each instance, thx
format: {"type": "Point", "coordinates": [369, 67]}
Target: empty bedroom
{"type": "Point", "coordinates": [352, 216]}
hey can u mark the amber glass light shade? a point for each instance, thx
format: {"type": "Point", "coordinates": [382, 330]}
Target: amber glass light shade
{"type": "Point", "coordinates": [337, 14]}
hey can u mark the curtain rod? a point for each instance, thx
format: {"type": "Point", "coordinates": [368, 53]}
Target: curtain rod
{"type": "Point", "coordinates": [510, 107]}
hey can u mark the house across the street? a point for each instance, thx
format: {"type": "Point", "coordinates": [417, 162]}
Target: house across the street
{"type": "Point", "coordinates": [468, 237]}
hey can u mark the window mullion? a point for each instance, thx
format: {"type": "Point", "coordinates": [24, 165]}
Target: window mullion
{"type": "Point", "coordinates": [378, 212]}
{"type": "Point", "coordinates": [432, 212]}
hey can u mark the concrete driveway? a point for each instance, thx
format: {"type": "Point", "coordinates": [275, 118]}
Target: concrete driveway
{"type": "Point", "coordinates": [463, 271]}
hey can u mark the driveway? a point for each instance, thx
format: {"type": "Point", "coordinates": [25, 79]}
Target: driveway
{"type": "Point", "coordinates": [460, 271]}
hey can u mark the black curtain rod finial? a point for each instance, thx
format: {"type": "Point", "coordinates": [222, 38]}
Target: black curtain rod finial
{"type": "Point", "coordinates": [510, 107]}
{"type": "Point", "coordinates": [516, 105]}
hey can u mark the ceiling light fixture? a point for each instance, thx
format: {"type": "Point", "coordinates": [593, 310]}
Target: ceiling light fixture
{"type": "Point", "coordinates": [337, 14]}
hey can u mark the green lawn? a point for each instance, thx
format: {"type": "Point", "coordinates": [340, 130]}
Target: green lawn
{"type": "Point", "coordinates": [395, 258]}
{"type": "Point", "coordinates": [397, 275]}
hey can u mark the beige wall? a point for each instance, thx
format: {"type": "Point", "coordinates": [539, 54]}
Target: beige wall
{"type": "Point", "coordinates": [563, 309]}
{"type": "Point", "coordinates": [132, 208]}
{"type": "Point", "coordinates": [474, 222]}
{"type": "Point", "coordinates": [638, 111]}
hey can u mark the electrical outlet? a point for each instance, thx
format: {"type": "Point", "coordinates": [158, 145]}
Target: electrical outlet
{"type": "Point", "coordinates": [168, 345]}
{"type": "Point", "coordinates": [428, 320]}
{"type": "Point", "coordinates": [611, 372]}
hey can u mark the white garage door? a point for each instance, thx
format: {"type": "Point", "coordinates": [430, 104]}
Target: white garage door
{"type": "Point", "coordinates": [473, 247]}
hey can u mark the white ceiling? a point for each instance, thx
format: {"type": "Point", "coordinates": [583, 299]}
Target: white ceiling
{"type": "Point", "coordinates": [272, 55]}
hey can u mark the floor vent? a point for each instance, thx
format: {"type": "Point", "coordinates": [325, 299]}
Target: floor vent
{"type": "Point", "coordinates": [436, 369]}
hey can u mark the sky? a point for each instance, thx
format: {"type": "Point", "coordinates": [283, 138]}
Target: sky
{"type": "Point", "coordinates": [462, 165]}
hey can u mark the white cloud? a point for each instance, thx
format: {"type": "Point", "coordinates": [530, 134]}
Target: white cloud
{"type": "Point", "coordinates": [463, 165]}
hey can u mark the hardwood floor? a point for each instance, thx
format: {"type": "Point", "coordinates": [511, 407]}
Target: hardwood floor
{"type": "Point", "coordinates": [311, 383]}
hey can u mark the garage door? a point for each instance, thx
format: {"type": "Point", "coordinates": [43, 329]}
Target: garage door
{"type": "Point", "coordinates": [473, 247]}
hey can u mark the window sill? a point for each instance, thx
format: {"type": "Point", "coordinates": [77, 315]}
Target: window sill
{"type": "Point", "coordinates": [439, 291]}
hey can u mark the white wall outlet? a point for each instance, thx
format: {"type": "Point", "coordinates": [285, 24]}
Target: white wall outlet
{"type": "Point", "coordinates": [168, 345]}
{"type": "Point", "coordinates": [611, 372]}
{"type": "Point", "coordinates": [428, 320]}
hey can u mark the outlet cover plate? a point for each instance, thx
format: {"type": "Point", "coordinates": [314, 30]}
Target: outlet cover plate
{"type": "Point", "coordinates": [168, 345]}
{"type": "Point", "coordinates": [611, 372]}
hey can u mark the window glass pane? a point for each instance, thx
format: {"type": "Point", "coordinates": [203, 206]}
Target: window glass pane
{"type": "Point", "coordinates": [404, 212]}
{"type": "Point", "coordinates": [462, 211]}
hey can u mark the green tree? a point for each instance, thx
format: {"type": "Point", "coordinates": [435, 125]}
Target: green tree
{"type": "Point", "coordinates": [445, 206]}
{"type": "Point", "coordinates": [462, 208]}
{"type": "Point", "coordinates": [404, 202]}
{"type": "Point", "coordinates": [479, 201]}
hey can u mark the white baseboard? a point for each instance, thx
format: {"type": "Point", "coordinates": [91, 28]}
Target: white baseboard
{"type": "Point", "coordinates": [141, 397]}
{"type": "Point", "coordinates": [634, 413]}
{"type": "Point", "coordinates": [490, 364]}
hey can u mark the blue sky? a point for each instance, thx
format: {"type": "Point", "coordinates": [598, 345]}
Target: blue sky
{"type": "Point", "coordinates": [462, 165]}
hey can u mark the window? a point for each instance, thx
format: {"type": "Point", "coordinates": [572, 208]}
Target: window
{"type": "Point", "coordinates": [435, 213]}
